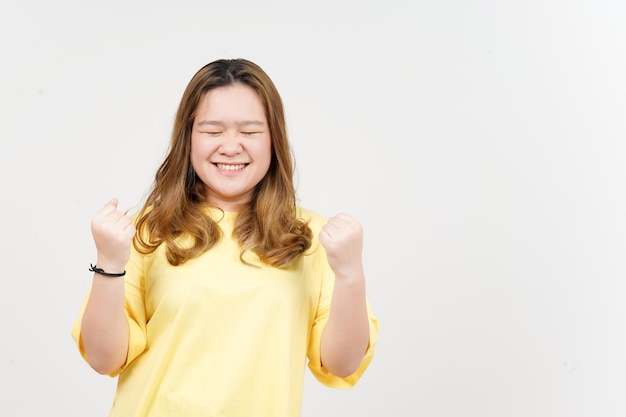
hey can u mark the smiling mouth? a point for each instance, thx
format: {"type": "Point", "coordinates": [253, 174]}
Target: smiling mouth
{"type": "Point", "coordinates": [230, 167]}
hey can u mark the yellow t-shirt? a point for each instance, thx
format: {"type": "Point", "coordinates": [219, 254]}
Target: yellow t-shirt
{"type": "Point", "coordinates": [216, 337]}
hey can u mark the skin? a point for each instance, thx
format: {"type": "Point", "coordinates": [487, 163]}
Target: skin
{"type": "Point", "coordinates": [104, 326]}
{"type": "Point", "coordinates": [346, 334]}
{"type": "Point", "coordinates": [231, 153]}
{"type": "Point", "coordinates": [231, 148]}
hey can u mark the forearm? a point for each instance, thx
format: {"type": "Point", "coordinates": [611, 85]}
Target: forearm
{"type": "Point", "coordinates": [346, 334]}
{"type": "Point", "coordinates": [104, 327]}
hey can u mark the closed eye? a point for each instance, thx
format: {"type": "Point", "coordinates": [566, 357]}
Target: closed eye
{"type": "Point", "coordinates": [249, 133]}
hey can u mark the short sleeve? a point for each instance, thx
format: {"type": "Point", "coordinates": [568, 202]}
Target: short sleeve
{"type": "Point", "coordinates": [134, 309]}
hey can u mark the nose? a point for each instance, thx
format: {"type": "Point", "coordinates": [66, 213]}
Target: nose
{"type": "Point", "coordinates": [231, 144]}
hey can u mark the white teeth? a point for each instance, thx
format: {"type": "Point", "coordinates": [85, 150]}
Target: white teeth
{"type": "Point", "coordinates": [227, 167]}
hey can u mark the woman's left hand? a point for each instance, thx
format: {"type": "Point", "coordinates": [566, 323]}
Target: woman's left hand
{"type": "Point", "coordinates": [342, 237]}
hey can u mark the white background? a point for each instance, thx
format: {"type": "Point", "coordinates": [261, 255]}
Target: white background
{"type": "Point", "coordinates": [482, 145]}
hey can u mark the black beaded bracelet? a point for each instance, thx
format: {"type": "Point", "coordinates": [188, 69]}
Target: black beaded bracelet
{"type": "Point", "coordinates": [101, 271]}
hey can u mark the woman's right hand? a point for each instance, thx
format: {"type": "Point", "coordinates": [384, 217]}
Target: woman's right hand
{"type": "Point", "coordinates": [113, 233]}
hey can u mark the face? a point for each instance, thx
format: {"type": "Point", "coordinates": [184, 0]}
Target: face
{"type": "Point", "coordinates": [231, 147]}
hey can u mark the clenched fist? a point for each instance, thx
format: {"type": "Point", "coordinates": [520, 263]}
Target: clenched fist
{"type": "Point", "coordinates": [113, 233]}
{"type": "Point", "coordinates": [342, 237]}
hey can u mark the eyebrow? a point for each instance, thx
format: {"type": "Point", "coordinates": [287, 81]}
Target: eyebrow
{"type": "Point", "coordinates": [242, 123]}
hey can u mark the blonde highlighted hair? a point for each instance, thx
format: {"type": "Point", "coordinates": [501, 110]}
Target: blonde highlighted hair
{"type": "Point", "coordinates": [176, 204]}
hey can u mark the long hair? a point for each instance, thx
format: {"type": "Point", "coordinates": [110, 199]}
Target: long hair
{"type": "Point", "coordinates": [176, 204]}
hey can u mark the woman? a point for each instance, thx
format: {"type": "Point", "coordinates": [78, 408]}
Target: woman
{"type": "Point", "coordinates": [211, 299]}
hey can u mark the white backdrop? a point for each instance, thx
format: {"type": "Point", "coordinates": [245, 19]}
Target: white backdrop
{"type": "Point", "coordinates": [480, 143]}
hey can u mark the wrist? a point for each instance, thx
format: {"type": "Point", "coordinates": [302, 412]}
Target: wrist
{"type": "Point", "coordinates": [109, 264]}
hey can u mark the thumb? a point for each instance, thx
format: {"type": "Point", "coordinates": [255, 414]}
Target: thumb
{"type": "Point", "coordinates": [112, 202]}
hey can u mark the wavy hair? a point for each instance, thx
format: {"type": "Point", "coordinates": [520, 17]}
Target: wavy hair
{"type": "Point", "coordinates": [176, 204]}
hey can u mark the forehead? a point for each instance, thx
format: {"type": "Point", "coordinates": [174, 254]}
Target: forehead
{"type": "Point", "coordinates": [236, 101]}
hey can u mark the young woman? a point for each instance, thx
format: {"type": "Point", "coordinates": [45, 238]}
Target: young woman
{"type": "Point", "coordinates": [211, 299]}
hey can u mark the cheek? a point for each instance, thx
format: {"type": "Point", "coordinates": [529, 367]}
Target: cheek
{"type": "Point", "coordinates": [194, 152]}
{"type": "Point", "coordinates": [198, 154]}
{"type": "Point", "coordinates": [263, 151]}
{"type": "Point", "coordinates": [200, 149]}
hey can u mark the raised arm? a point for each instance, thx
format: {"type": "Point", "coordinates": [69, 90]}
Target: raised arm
{"type": "Point", "coordinates": [104, 328]}
{"type": "Point", "coordinates": [346, 335]}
